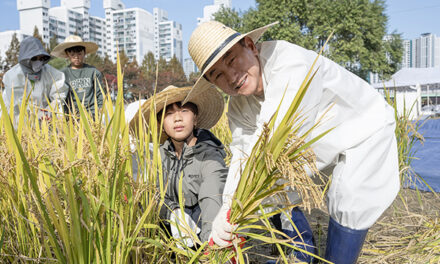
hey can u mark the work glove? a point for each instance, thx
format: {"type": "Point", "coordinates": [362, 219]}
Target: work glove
{"type": "Point", "coordinates": [222, 229]}
{"type": "Point", "coordinates": [241, 243]}
{"type": "Point", "coordinates": [44, 114]}
{"type": "Point", "coordinates": [181, 226]}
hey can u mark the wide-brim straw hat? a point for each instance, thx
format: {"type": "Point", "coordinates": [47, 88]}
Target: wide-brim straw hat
{"type": "Point", "coordinates": [72, 41]}
{"type": "Point", "coordinates": [209, 42]}
{"type": "Point", "coordinates": [210, 105]}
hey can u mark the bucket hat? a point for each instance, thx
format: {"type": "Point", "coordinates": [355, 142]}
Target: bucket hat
{"type": "Point", "coordinates": [72, 41]}
{"type": "Point", "coordinates": [209, 104]}
{"type": "Point", "coordinates": [209, 42]}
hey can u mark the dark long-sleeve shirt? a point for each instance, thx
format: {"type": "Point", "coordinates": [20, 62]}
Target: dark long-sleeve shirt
{"type": "Point", "coordinates": [87, 83]}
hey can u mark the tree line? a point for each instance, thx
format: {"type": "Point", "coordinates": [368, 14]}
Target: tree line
{"type": "Point", "coordinates": [139, 80]}
{"type": "Point", "coordinates": [359, 42]}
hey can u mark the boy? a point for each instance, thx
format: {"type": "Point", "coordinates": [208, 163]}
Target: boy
{"type": "Point", "coordinates": [82, 78]}
{"type": "Point", "coordinates": [360, 151]}
{"type": "Point", "coordinates": [41, 80]}
{"type": "Point", "coordinates": [189, 150]}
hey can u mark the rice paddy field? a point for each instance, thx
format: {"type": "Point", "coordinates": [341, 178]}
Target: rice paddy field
{"type": "Point", "coordinates": [67, 194]}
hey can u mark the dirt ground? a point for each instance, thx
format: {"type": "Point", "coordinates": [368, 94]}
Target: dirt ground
{"type": "Point", "coordinates": [390, 240]}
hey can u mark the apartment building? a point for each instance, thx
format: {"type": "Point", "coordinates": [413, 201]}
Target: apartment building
{"type": "Point", "coordinates": [189, 67]}
{"type": "Point", "coordinates": [210, 10]}
{"type": "Point", "coordinates": [34, 13]}
{"type": "Point", "coordinates": [134, 30]}
{"type": "Point", "coordinates": [422, 52]}
{"type": "Point", "coordinates": [168, 37]}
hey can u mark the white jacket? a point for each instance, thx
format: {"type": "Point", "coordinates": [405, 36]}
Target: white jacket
{"type": "Point", "coordinates": [358, 111]}
{"type": "Point", "coordinates": [51, 85]}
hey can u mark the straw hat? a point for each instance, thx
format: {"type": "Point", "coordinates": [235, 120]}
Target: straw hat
{"type": "Point", "coordinates": [209, 42]}
{"type": "Point", "coordinates": [209, 103]}
{"type": "Point", "coordinates": [72, 41]}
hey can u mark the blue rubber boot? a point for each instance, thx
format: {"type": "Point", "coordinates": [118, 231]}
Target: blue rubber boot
{"type": "Point", "coordinates": [343, 244]}
{"type": "Point", "coordinates": [305, 241]}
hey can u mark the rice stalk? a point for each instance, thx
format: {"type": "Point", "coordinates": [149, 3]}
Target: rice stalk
{"type": "Point", "coordinates": [66, 190]}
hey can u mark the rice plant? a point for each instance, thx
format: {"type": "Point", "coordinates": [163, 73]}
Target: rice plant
{"type": "Point", "coordinates": [67, 194]}
{"type": "Point", "coordinates": [222, 132]}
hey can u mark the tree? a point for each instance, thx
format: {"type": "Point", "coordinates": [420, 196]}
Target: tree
{"type": "Point", "coordinates": [95, 60]}
{"type": "Point", "coordinates": [193, 78]}
{"type": "Point", "coordinates": [53, 42]}
{"type": "Point", "coordinates": [108, 70]}
{"type": "Point", "coordinates": [58, 63]}
{"type": "Point", "coordinates": [358, 28]}
{"type": "Point", "coordinates": [164, 77]}
{"type": "Point", "coordinates": [1, 70]}
{"type": "Point", "coordinates": [136, 81]}
{"type": "Point", "coordinates": [108, 67]}
{"type": "Point", "coordinates": [394, 51]}
{"type": "Point", "coordinates": [231, 18]}
{"type": "Point", "coordinates": [12, 53]}
{"type": "Point", "coordinates": [123, 59]}
{"type": "Point", "coordinates": [177, 73]}
{"type": "Point", "coordinates": [148, 70]}
{"type": "Point", "coordinates": [131, 73]}
{"type": "Point", "coordinates": [162, 64]}
{"type": "Point", "coordinates": [37, 35]}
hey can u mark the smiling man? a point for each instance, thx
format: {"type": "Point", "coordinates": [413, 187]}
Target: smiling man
{"type": "Point", "coordinates": [360, 152]}
{"type": "Point", "coordinates": [82, 78]}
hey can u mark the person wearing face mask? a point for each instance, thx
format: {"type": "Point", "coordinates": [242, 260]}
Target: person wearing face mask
{"type": "Point", "coordinates": [43, 84]}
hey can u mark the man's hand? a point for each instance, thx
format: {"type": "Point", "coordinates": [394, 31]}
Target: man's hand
{"type": "Point", "coordinates": [179, 228]}
{"type": "Point", "coordinates": [222, 229]}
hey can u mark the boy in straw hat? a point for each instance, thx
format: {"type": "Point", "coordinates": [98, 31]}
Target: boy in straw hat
{"type": "Point", "coordinates": [360, 151]}
{"type": "Point", "coordinates": [190, 151]}
{"type": "Point", "coordinates": [82, 78]}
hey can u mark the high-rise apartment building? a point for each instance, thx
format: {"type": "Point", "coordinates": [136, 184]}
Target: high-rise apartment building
{"type": "Point", "coordinates": [210, 10]}
{"type": "Point", "coordinates": [71, 17]}
{"type": "Point", "coordinates": [97, 33]}
{"type": "Point", "coordinates": [110, 6]}
{"type": "Point", "coordinates": [406, 58]}
{"type": "Point", "coordinates": [422, 52]}
{"type": "Point", "coordinates": [189, 67]}
{"type": "Point", "coordinates": [134, 30]}
{"type": "Point", "coordinates": [208, 15]}
{"type": "Point", "coordinates": [167, 37]}
{"type": "Point", "coordinates": [82, 7]}
{"type": "Point", "coordinates": [34, 13]}
{"type": "Point", "coordinates": [160, 15]}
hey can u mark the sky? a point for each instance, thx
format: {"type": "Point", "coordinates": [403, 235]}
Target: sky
{"type": "Point", "coordinates": [408, 17]}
